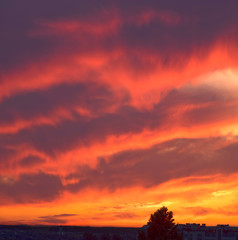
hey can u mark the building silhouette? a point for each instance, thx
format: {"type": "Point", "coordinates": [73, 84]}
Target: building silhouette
{"type": "Point", "coordinates": [202, 232]}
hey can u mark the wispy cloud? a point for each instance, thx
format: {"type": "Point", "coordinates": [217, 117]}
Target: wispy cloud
{"type": "Point", "coordinates": [111, 97]}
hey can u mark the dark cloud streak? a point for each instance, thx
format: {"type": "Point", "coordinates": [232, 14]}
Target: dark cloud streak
{"type": "Point", "coordinates": [177, 158]}
{"type": "Point", "coordinates": [30, 188]}
{"type": "Point", "coordinates": [84, 131]}
{"type": "Point", "coordinates": [202, 24]}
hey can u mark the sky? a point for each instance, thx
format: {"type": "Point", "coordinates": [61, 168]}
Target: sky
{"type": "Point", "coordinates": [112, 109]}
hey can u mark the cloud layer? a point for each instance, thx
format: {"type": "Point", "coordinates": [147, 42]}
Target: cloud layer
{"type": "Point", "coordinates": [108, 97]}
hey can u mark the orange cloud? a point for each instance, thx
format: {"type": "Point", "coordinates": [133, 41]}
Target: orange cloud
{"type": "Point", "coordinates": [106, 101]}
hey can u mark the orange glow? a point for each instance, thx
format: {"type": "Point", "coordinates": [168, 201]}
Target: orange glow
{"type": "Point", "coordinates": [186, 197]}
{"type": "Point", "coordinates": [135, 107]}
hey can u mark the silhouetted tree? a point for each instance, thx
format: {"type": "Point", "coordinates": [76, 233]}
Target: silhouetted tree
{"type": "Point", "coordinates": [161, 226]}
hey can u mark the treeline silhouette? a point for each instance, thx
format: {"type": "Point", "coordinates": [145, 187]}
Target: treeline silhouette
{"type": "Point", "coordinates": [104, 236]}
{"type": "Point", "coordinates": [24, 232]}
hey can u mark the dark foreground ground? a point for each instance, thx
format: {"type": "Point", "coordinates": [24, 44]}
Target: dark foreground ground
{"type": "Point", "coordinates": [66, 233]}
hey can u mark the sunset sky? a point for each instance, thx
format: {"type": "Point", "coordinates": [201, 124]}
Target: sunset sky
{"type": "Point", "coordinates": [110, 109]}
